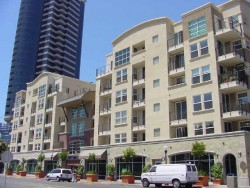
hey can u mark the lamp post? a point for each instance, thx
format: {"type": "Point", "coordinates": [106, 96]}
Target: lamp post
{"type": "Point", "coordinates": [165, 149]}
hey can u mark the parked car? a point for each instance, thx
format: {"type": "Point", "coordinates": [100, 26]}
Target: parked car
{"type": "Point", "coordinates": [176, 174]}
{"type": "Point", "coordinates": [59, 174]}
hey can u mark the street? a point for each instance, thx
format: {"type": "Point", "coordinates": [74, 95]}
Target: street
{"type": "Point", "coordinates": [32, 182]}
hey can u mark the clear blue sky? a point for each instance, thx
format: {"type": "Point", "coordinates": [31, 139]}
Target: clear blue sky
{"type": "Point", "coordinates": [104, 21]}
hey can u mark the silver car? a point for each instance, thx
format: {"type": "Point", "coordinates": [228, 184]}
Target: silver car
{"type": "Point", "coordinates": [59, 174]}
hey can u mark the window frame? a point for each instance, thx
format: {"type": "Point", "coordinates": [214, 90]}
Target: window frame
{"type": "Point", "coordinates": [156, 83]}
{"type": "Point", "coordinates": [157, 107]}
{"type": "Point", "coordinates": [156, 60]}
{"type": "Point", "coordinates": [196, 27]}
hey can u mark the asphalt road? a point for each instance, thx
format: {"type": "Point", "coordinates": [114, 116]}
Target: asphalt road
{"type": "Point", "coordinates": [32, 182]}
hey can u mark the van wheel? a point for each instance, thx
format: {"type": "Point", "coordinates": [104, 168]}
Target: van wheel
{"type": "Point", "coordinates": [176, 183]}
{"type": "Point", "coordinates": [57, 179]}
{"type": "Point", "coordinates": [158, 185]}
{"type": "Point", "coordinates": [145, 183]}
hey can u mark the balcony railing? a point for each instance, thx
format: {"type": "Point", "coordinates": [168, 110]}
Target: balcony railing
{"type": "Point", "coordinates": [105, 108]}
{"type": "Point", "coordinates": [224, 51]}
{"type": "Point", "coordinates": [138, 76]}
{"type": "Point", "coordinates": [138, 100]}
{"type": "Point", "coordinates": [178, 115]}
{"type": "Point", "coordinates": [241, 77]}
{"type": "Point", "coordinates": [173, 65]}
{"type": "Point", "coordinates": [176, 40]}
{"type": "Point", "coordinates": [138, 121]}
{"type": "Point", "coordinates": [105, 88]}
{"type": "Point", "coordinates": [104, 70]}
{"type": "Point", "coordinates": [241, 106]}
{"type": "Point", "coordinates": [227, 24]}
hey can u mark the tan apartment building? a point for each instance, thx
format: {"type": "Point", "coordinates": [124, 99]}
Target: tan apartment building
{"type": "Point", "coordinates": [166, 85]}
{"type": "Point", "coordinates": [38, 121]}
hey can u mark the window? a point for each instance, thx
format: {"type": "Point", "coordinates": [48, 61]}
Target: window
{"type": "Point", "coordinates": [156, 60]}
{"type": "Point", "coordinates": [13, 138]}
{"type": "Point", "coordinates": [199, 49]}
{"type": "Point", "coordinates": [82, 112]}
{"type": "Point", "coordinates": [197, 103]}
{"type": "Point", "coordinates": [121, 117]}
{"type": "Point", "coordinates": [15, 125]}
{"type": "Point", "coordinates": [18, 101]}
{"type": "Point", "coordinates": [157, 107]}
{"type": "Point", "coordinates": [81, 128]}
{"type": "Point", "coordinates": [242, 98]}
{"type": "Point", "coordinates": [37, 146]}
{"type": "Point", "coordinates": [156, 83]}
{"type": "Point", "coordinates": [208, 103]}
{"type": "Point", "coordinates": [74, 113]}
{"type": "Point", "coordinates": [181, 132]}
{"type": "Point", "coordinates": [17, 112]}
{"type": "Point", "coordinates": [121, 138]}
{"type": "Point", "coordinates": [13, 149]}
{"type": "Point", "coordinates": [121, 75]}
{"type": "Point", "coordinates": [198, 129]}
{"type": "Point", "coordinates": [42, 90]}
{"type": "Point", "coordinates": [206, 76]}
{"type": "Point", "coordinates": [39, 118]}
{"type": "Point", "coordinates": [121, 96]}
{"type": "Point", "coordinates": [40, 103]}
{"type": "Point", "coordinates": [155, 39]}
{"type": "Point", "coordinates": [178, 38]}
{"type": "Point", "coordinates": [181, 110]}
{"type": "Point", "coordinates": [195, 76]}
{"type": "Point", "coordinates": [179, 80]}
{"type": "Point", "coordinates": [203, 47]}
{"type": "Point", "coordinates": [233, 21]}
{"type": "Point", "coordinates": [197, 27]}
{"type": "Point", "coordinates": [38, 133]}
{"type": "Point", "coordinates": [204, 72]}
{"type": "Point", "coordinates": [245, 126]}
{"type": "Point", "coordinates": [228, 127]}
{"type": "Point", "coordinates": [74, 129]}
{"type": "Point", "coordinates": [72, 147]}
{"type": "Point", "coordinates": [79, 145]}
{"type": "Point", "coordinates": [122, 57]}
{"type": "Point", "coordinates": [209, 127]}
{"type": "Point", "coordinates": [157, 132]}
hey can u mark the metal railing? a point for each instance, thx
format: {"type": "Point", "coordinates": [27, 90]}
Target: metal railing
{"type": "Point", "coordinates": [173, 65]}
{"type": "Point", "coordinates": [176, 40]}
{"type": "Point", "coordinates": [138, 76]}
{"type": "Point", "coordinates": [138, 99]}
{"type": "Point", "coordinates": [178, 115]}
{"type": "Point", "coordinates": [104, 70]}
{"type": "Point", "coordinates": [227, 23]}
{"type": "Point", "coordinates": [221, 51]}
{"type": "Point", "coordinates": [241, 106]}
{"type": "Point", "coordinates": [105, 108]}
{"type": "Point", "coordinates": [105, 87]}
{"type": "Point", "coordinates": [138, 121]}
{"type": "Point", "coordinates": [241, 77]}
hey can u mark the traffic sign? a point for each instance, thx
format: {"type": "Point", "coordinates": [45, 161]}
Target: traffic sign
{"type": "Point", "coordinates": [7, 156]}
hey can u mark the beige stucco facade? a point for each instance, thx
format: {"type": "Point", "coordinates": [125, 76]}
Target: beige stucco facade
{"type": "Point", "coordinates": [172, 84]}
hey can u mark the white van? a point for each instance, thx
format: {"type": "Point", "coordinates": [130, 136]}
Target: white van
{"type": "Point", "coordinates": [176, 174]}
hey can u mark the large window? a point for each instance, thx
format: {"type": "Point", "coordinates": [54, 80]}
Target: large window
{"type": "Point", "coordinates": [39, 118]}
{"type": "Point", "coordinates": [18, 101]}
{"type": "Point", "coordinates": [42, 90]}
{"type": "Point", "coordinates": [38, 133]}
{"type": "Point", "coordinates": [37, 147]}
{"type": "Point", "coordinates": [82, 112]}
{"type": "Point", "coordinates": [74, 113]}
{"type": "Point", "coordinates": [40, 103]}
{"type": "Point", "coordinates": [121, 117]}
{"type": "Point", "coordinates": [198, 72]}
{"type": "Point", "coordinates": [81, 128]}
{"type": "Point", "coordinates": [17, 112]}
{"type": "Point", "coordinates": [121, 75]}
{"type": "Point", "coordinates": [121, 96]}
{"type": "Point", "coordinates": [199, 49]}
{"type": "Point", "coordinates": [202, 128]}
{"type": "Point", "coordinates": [197, 27]}
{"type": "Point", "coordinates": [204, 102]}
{"type": "Point", "coordinates": [121, 138]}
{"type": "Point", "coordinates": [122, 57]}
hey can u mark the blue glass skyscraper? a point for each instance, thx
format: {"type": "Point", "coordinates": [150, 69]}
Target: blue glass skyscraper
{"type": "Point", "coordinates": [48, 39]}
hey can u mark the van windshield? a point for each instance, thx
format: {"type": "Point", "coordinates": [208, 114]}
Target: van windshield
{"type": "Point", "coordinates": [153, 169]}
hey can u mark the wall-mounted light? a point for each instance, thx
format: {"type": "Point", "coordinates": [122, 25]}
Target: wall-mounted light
{"type": "Point", "coordinates": [239, 154]}
{"type": "Point", "coordinates": [165, 150]}
{"type": "Point", "coordinates": [110, 160]}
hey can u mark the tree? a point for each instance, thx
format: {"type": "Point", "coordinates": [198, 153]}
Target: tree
{"type": "Point", "coordinates": [91, 160]}
{"type": "Point", "coordinates": [3, 147]}
{"type": "Point", "coordinates": [198, 151]}
{"type": "Point", "coordinates": [41, 157]}
{"type": "Point", "coordinates": [128, 155]}
{"type": "Point", "coordinates": [63, 157]}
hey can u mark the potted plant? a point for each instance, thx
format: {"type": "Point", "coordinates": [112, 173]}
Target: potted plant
{"type": "Point", "coordinates": [18, 168]}
{"type": "Point", "coordinates": [79, 172]}
{"type": "Point", "coordinates": [22, 171]}
{"type": "Point", "coordinates": [146, 168]}
{"type": "Point", "coordinates": [198, 151]}
{"type": "Point", "coordinates": [9, 171]}
{"type": "Point", "coordinates": [216, 171]}
{"type": "Point", "coordinates": [62, 158]}
{"type": "Point", "coordinates": [38, 170]}
{"type": "Point", "coordinates": [91, 175]}
{"type": "Point", "coordinates": [110, 168]}
{"type": "Point", "coordinates": [127, 175]}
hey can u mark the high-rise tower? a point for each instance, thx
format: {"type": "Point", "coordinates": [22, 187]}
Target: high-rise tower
{"type": "Point", "coordinates": [48, 39]}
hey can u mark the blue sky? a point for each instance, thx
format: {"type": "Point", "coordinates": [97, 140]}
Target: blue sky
{"type": "Point", "coordinates": [104, 21]}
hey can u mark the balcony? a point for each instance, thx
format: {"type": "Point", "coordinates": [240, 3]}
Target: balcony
{"type": "Point", "coordinates": [178, 118]}
{"type": "Point", "coordinates": [31, 140]}
{"type": "Point", "coordinates": [52, 91]}
{"type": "Point", "coordinates": [46, 138]}
{"type": "Point", "coordinates": [62, 121]}
{"type": "Point", "coordinates": [32, 127]}
{"type": "Point", "coordinates": [175, 44]}
{"type": "Point", "coordinates": [104, 131]}
{"type": "Point", "coordinates": [139, 101]}
{"type": "Point", "coordinates": [105, 110]}
{"type": "Point", "coordinates": [232, 111]}
{"type": "Point", "coordinates": [139, 79]}
{"type": "Point", "coordinates": [138, 123]}
{"type": "Point", "coordinates": [48, 124]}
{"type": "Point", "coordinates": [227, 29]}
{"type": "Point", "coordinates": [176, 67]}
{"type": "Point", "coordinates": [232, 83]}
{"type": "Point", "coordinates": [49, 108]}
{"type": "Point", "coordinates": [228, 57]}
{"type": "Point", "coordinates": [105, 90]}
{"type": "Point", "coordinates": [104, 71]}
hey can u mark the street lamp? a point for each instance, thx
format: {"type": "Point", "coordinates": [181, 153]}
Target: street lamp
{"type": "Point", "coordinates": [165, 149]}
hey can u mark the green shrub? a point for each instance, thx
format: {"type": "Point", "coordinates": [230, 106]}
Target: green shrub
{"type": "Point", "coordinates": [216, 171]}
{"type": "Point", "coordinates": [80, 169]}
{"type": "Point", "coordinates": [110, 169]}
{"type": "Point", "coordinates": [146, 168]}
{"type": "Point", "coordinates": [38, 168]}
{"type": "Point", "coordinates": [91, 172]}
{"type": "Point", "coordinates": [202, 173]}
{"type": "Point", "coordinates": [126, 172]}
{"type": "Point", "coordinates": [9, 168]}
